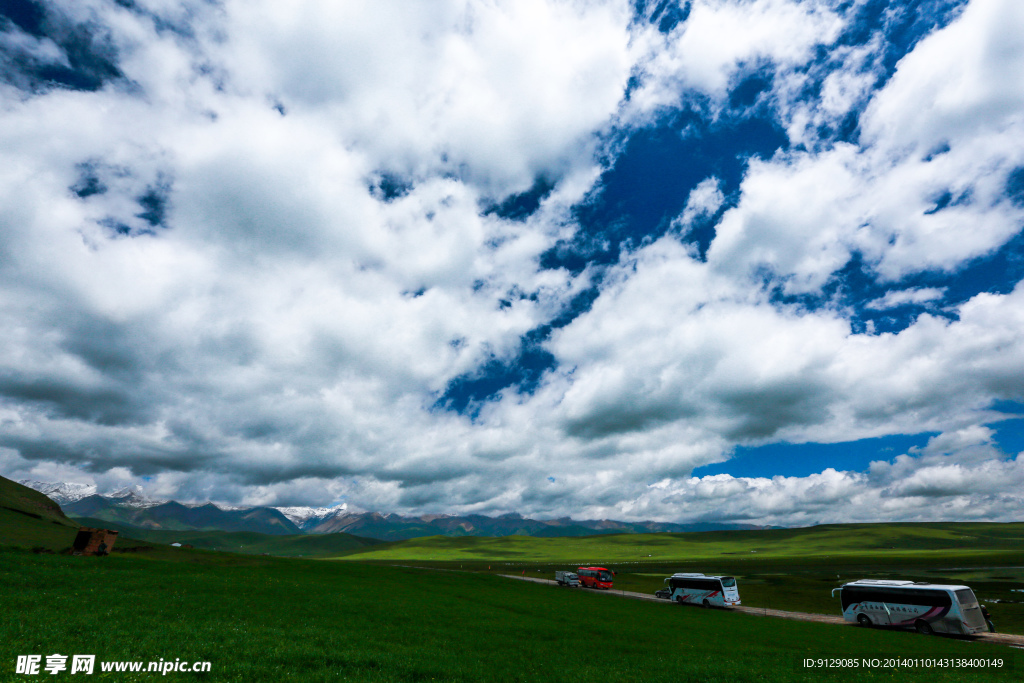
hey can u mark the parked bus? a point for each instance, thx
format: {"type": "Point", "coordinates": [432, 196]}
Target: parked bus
{"type": "Point", "coordinates": [699, 589]}
{"type": "Point", "coordinates": [595, 577]}
{"type": "Point", "coordinates": [928, 607]}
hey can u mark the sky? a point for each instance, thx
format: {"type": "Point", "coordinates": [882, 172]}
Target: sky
{"type": "Point", "coordinates": [736, 261]}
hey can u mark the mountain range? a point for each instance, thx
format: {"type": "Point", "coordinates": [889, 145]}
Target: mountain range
{"type": "Point", "coordinates": [130, 506]}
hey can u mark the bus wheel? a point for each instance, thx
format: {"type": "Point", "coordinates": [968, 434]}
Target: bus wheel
{"type": "Point", "coordinates": [923, 627]}
{"type": "Point", "coordinates": [864, 620]}
{"type": "Point", "coordinates": [679, 599]}
{"type": "Point", "coordinates": [706, 604]}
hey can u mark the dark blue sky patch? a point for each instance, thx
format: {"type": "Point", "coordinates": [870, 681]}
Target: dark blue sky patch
{"type": "Point", "coordinates": [578, 305]}
{"type": "Point", "coordinates": [1010, 435]}
{"type": "Point", "coordinates": [154, 202]}
{"type": "Point", "coordinates": [387, 186]}
{"type": "Point", "coordinates": [576, 254]}
{"type": "Point", "coordinates": [519, 207]}
{"type": "Point", "coordinates": [91, 56]}
{"type": "Point", "coordinates": [995, 273]}
{"type": "Point", "coordinates": [467, 394]}
{"type": "Point", "coordinates": [120, 229]}
{"type": "Point", "coordinates": [648, 184]}
{"type": "Point", "coordinates": [1015, 186]}
{"type": "Point", "coordinates": [846, 130]}
{"type": "Point", "coordinates": [947, 198]}
{"type": "Point", "coordinates": [801, 460]}
{"type": "Point", "coordinates": [665, 14]}
{"type": "Point", "coordinates": [1008, 407]}
{"type": "Point", "coordinates": [856, 284]}
{"type": "Point", "coordinates": [634, 82]}
{"type": "Point", "coordinates": [940, 202]}
{"type": "Point", "coordinates": [25, 14]}
{"type": "Point", "coordinates": [745, 93]}
{"type": "Point", "coordinates": [161, 23]}
{"type": "Point", "coordinates": [900, 23]}
{"type": "Point", "coordinates": [850, 288]}
{"type": "Point", "coordinates": [938, 151]}
{"type": "Point", "coordinates": [89, 182]}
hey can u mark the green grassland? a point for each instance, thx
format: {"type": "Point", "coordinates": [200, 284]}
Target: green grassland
{"type": "Point", "coordinates": [271, 619]}
{"type": "Point", "coordinates": [20, 499]}
{"type": "Point", "coordinates": [790, 569]}
{"type": "Point", "coordinates": [826, 544]}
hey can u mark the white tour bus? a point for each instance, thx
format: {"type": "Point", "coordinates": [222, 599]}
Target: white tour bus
{"type": "Point", "coordinates": [928, 607]}
{"type": "Point", "coordinates": [698, 589]}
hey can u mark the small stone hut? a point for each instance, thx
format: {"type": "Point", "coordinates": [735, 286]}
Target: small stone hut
{"type": "Point", "coordinates": [94, 541]}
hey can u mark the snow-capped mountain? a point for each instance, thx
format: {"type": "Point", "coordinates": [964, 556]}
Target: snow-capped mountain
{"type": "Point", "coordinates": [64, 493]}
{"type": "Point", "coordinates": [133, 497]}
{"type": "Point", "coordinates": [61, 492]}
{"type": "Point", "coordinates": [306, 517]}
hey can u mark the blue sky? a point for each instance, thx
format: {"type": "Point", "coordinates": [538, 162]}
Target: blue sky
{"type": "Point", "coordinates": [704, 260]}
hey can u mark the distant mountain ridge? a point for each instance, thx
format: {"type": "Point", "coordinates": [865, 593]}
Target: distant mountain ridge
{"type": "Point", "coordinates": [131, 506]}
{"type": "Point", "coordinates": [178, 517]}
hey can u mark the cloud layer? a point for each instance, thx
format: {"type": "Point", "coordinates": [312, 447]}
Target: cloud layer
{"type": "Point", "coordinates": [247, 250]}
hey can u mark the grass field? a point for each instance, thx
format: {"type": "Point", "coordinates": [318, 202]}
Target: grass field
{"type": "Point", "coordinates": [791, 569]}
{"type": "Point", "coordinates": [269, 619]}
{"type": "Point", "coordinates": [826, 544]}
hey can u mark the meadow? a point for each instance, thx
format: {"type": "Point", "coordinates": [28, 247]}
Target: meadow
{"type": "Point", "coordinates": [826, 544]}
{"type": "Point", "coordinates": [271, 619]}
{"type": "Point", "coordinates": [789, 569]}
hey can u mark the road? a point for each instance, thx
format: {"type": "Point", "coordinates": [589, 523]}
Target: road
{"type": "Point", "coordinates": [1000, 638]}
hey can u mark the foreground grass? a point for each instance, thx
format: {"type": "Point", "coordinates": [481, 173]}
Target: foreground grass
{"type": "Point", "coordinates": [268, 619]}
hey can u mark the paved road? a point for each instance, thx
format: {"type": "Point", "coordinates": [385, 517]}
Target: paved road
{"type": "Point", "coordinates": [1000, 638]}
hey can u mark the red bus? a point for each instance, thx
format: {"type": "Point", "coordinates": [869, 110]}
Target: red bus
{"type": "Point", "coordinates": [595, 577]}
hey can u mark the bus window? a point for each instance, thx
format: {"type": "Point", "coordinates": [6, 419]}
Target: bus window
{"type": "Point", "coordinates": [728, 582]}
{"type": "Point", "coordinates": [966, 596]}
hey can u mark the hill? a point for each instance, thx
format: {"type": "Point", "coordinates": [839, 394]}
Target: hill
{"type": "Point", "coordinates": [21, 499]}
{"type": "Point", "coordinates": [30, 519]}
{"type": "Point", "coordinates": [172, 515]}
